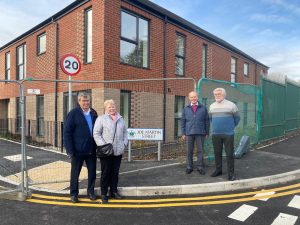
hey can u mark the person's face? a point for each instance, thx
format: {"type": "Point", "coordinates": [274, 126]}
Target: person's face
{"type": "Point", "coordinates": [218, 96]}
{"type": "Point", "coordinates": [84, 103]}
{"type": "Point", "coordinates": [111, 109]}
{"type": "Point", "coordinates": [193, 98]}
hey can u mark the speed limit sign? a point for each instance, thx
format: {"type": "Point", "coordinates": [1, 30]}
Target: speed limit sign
{"type": "Point", "coordinates": [70, 64]}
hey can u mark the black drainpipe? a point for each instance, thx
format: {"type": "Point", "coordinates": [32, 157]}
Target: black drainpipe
{"type": "Point", "coordinates": [56, 86]}
{"type": "Point", "coordinates": [165, 76]}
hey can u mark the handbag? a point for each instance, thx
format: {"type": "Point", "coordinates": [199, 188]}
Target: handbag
{"type": "Point", "coordinates": [106, 149]}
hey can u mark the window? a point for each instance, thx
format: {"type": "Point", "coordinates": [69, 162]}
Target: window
{"type": "Point", "coordinates": [88, 36]}
{"type": "Point", "coordinates": [179, 105]}
{"type": "Point", "coordinates": [41, 43]}
{"type": "Point", "coordinates": [233, 70]}
{"type": "Point", "coordinates": [74, 101]}
{"type": "Point", "coordinates": [40, 115]}
{"type": "Point", "coordinates": [134, 43]}
{"type": "Point", "coordinates": [180, 55]}
{"type": "Point", "coordinates": [21, 62]}
{"type": "Point", "coordinates": [7, 66]}
{"type": "Point", "coordinates": [204, 60]}
{"type": "Point", "coordinates": [246, 69]}
{"type": "Point", "coordinates": [125, 106]}
{"type": "Point", "coordinates": [18, 115]}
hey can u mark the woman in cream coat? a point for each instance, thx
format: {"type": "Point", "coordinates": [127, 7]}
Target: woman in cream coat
{"type": "Point", "coordinates": [105, 127]}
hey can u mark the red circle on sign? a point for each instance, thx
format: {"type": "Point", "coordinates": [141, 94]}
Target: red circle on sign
{"type": "Point", "coordinates": [70, 64]}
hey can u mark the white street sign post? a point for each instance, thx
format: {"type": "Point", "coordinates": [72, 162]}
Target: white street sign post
{"type": "Point", "coordinates": [70, 65]}
{"type": "Point", "coordinates": [146, 135]}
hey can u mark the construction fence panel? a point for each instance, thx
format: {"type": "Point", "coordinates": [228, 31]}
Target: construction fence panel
{"type": "Point", "coordinates": [292, 112]}
{"type": "Point", "coordinates": [148, 103]}
{"type": "Point", "coordinates": [245, 96]}
{"type": "Point", "coordinates": [12, 162]}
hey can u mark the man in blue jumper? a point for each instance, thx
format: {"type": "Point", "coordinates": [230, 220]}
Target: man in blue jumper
{"type": "Point", "coordinates": [224, 116]}
{"type": "Point", "coordinates": [80, 144]}
{"type": "Point", "coordinates": [194, 128]}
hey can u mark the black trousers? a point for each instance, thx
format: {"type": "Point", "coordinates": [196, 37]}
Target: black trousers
{"type": "Point", "coordinates": [220, 140]}
{"type": "Point", "coordinates": [110, 167]}
{"type": "Point", "coordinates": [76, 165]}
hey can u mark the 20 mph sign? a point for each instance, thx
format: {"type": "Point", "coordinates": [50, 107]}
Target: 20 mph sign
{"type": "Point", "coordinates": [70, 64]}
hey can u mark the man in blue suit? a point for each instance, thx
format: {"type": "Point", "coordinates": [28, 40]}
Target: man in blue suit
{"type": "Point", "coordinates": [194, 128]}
{"type": "Point", "coordinates": [80, 145]}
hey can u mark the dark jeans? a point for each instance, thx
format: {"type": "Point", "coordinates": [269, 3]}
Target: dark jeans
{"type": "Point", "coordinates": [220, 140]}
{"type": "Point", "coordinates": [76, 165]}
{"type": "Point", "coordinates": [110, 167]}
{"type": "Point", "coordinates": [191, 139]}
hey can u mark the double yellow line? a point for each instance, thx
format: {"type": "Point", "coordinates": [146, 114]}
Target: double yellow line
{"type": "Point", "coordinates": [169, 202]}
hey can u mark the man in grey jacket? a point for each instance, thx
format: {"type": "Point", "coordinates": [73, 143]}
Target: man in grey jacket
{"type": "Point", "coordinates": [194, 128]}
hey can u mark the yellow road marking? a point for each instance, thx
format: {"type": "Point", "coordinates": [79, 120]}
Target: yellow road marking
{"type": "Point", "coordinates": [178, 199]}
{"type": "Point", "coordinates": [178, 204]}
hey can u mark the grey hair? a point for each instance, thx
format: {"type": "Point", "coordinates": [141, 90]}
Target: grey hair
{"type": "Point", "coordinates": [108, 102]}
{"type": "Point", "coordinates": [83, 95]}
{"type": "Point", "coordinates": [223, 91]}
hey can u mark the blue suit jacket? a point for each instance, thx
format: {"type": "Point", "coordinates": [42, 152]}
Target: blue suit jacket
{"type": "Point", "coordinates": [195, 123]}
{"type": "Point", "coordinates": [77, 137]}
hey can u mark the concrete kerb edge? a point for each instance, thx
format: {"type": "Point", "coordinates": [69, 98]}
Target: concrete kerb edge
{"type": "Point", "coordinates": [225, 186]}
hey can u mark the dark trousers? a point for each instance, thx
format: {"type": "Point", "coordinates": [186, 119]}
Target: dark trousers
{"type": "Point", "coordinates": [76, 165]}
{"type": "Point", "coordinates": [191, 139]}
{"type": "Point", "coordinates": [110, 167]}
{"type": "Point", "coordinates": [220, 140]}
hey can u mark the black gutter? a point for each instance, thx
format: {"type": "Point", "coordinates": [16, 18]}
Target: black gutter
{"type": "Point", "coordinates": [56, 85]}
{"type": "Point", "coordinates": [165, 76]}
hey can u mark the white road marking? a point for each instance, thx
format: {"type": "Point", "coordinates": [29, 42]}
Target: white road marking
{"type": "Point", "coordinates": [16, 158]}
{"type": "Point", "coordinates": [243, 212]}
{"type": "Point", "coordinates": [264, 195]}
{"type": "Point", "coordinates": [295, 203]}
{"type": "Point", "coordinates": [285, 219]}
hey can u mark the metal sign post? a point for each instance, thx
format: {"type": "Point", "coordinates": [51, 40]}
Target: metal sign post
{"type": "Point", "coordinates": [70, 65]}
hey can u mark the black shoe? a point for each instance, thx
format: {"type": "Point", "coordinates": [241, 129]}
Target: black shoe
{"type": "Point", "coordinates": [201, 171]}
{"type": "Point", "coordinates": [104, 199]}
{"type": "Point", "coordinates": [231, 178]}
{"type": "Point", "coordinates": [116, 195]}
{"type": "Point", "coordinates": [216, 173]}
{"type": "Point", "coordinates": [92, 196]}
{"type": "Point", "coordinates": [189, 171]}
{"type": "Point", "coordinates": [74, 199]}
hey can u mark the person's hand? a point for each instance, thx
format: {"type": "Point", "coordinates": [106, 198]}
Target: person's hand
{"type": "Point", "coordinates": [206, 136]}
{"type": "Point", "coordinates": [70, 156]}
{"type": "Point", "coordinates": [183, 137]}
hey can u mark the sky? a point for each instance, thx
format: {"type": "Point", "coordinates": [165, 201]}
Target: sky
{"type": "Point", "coordinates": [267, 30]}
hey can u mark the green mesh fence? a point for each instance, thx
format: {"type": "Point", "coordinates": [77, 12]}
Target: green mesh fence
{"type": "Point", "coordinates": [247, 99]}
{"type": "Point", "coordinates": [280, 108]}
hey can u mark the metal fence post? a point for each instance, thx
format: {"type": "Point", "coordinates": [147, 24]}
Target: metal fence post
{"type": "Point", "coordinates": [129, 151]}
{"type": "Point", "coordinates": [159, 151]}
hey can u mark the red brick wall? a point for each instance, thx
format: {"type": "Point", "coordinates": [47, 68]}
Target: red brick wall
{"type": "Point", "coordinates": [106, 50]}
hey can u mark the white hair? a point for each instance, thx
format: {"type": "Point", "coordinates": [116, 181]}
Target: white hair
{"type": "Point", "coordinates": [223, 91]}
{"type": "Point", "coordinates": [108, 102]}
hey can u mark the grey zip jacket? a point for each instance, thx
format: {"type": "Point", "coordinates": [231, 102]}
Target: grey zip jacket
{"type": "Point", "coordinates": [104, 129]}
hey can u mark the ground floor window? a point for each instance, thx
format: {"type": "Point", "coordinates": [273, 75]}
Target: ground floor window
{"type": "Point", "coordinates": [179, 105]}
{"type": "Point", "coordinates": [125, 106]}
{"type": "Point", "coordinates": [40, 115]}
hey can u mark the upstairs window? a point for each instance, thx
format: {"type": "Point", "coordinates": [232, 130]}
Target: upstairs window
{"type": "Point", "coordinates": [41, 43]}
{"type": "Point", "coordinates": [88, 36]}
{"type": "Point", "coordinates": [246, 69]}
{"type": "Point", "coordinates": [21, 62]}
{"type": "Point", "coordinates": [233, 70]}
{"type": "Point", "coordinates": [7, 66]}
{"type": "Point", "coordinates": [180, 55]}
{"type": "Point", "coordinates": [134, 43]}
{"type": "Point", "coordinates": [204, 60]}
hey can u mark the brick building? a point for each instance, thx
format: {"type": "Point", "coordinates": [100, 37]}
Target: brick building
{"type": "Point", "coordinates": [115, 40]}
